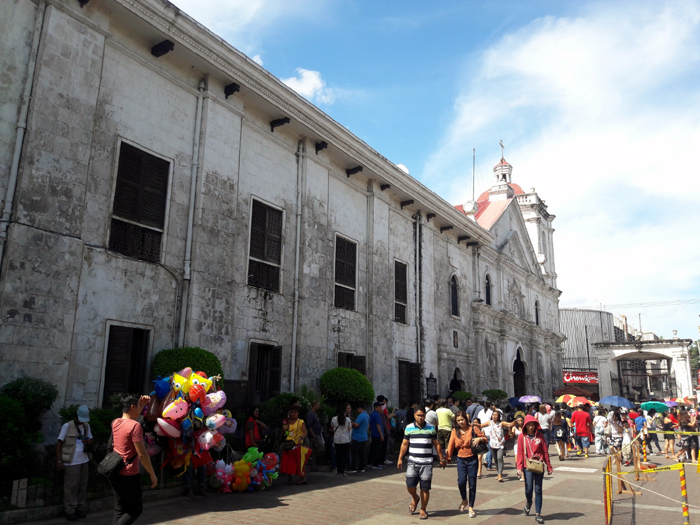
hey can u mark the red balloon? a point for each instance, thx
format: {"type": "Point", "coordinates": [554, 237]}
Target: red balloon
{"type": "Point", "coordinates": [197, 394]}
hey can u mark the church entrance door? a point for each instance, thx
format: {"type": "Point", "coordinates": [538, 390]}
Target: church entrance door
{"type": "Point", "coordinates": [519, 377]}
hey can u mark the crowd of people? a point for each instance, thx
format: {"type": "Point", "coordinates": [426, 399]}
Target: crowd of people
{"type": "Point", "coordinates": [473, 436]}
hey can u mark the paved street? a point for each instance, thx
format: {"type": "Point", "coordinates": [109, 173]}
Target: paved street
{"type": "Point", "coordinates": [573, 493]}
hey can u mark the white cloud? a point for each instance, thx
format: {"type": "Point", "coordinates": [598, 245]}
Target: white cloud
{"type": "Point", "coordinates": [245, 24]}
{"type": "Point", "coordinates": [258, 59]}
{"type": "Point", "coordinates": [402, 168]}
{"type": "Point", "coordinates": [311, 86]}
{"type": "Point", "coordinates": [601, 113]}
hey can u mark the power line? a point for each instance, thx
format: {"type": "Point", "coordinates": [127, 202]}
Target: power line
{"type": "Point", "coordinates": [652, 304]}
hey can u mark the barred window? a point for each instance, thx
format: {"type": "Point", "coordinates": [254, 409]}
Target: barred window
{"type": "Point", "coordinates": [345, 264]}
{"type": "Point", "coordinates": [400, 292]}
{"type": "Point", "coordinates": [265, 247]}
{"type": "Point", "coordinates": [537, 313]}
{"type": "Point", "coordinates": [140, 200]}
{"type": "Point", "coordinates": [356, 362]}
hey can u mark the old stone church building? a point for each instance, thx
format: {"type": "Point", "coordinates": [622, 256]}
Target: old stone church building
{"type": "Point", "coordinates": [161, 189]}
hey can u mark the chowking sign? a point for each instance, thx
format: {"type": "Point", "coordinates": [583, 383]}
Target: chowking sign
{"type": "Point", "coordinates": [589, 378]}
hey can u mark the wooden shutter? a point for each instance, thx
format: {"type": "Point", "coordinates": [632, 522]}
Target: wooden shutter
{"type": "Point", "coordinates": [117, 368]}
{"type": "Point", "coordinates": [345, 259]}
{"type": "Point", "coordinates": [142, 186]}
{"type": "Point", "coordinates": [359, 363]}
{"type": "Point", "coordinates": [154, 190]}
{"type": "Point", "coordinates": [275, 383]}
{"type": "Point", "coordinates": [404, 383]}
{"type": "Point", "coordinates": [253, 387]}
{"type": "Point", "coordinates": [416, 390]}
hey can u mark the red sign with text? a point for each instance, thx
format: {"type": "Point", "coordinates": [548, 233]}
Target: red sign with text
{"type": "Point", "coordinates": [588, 378]}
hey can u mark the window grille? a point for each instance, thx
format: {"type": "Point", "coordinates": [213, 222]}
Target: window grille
{"type": "Point", "coordinates": [140, 200]}
{"type": "Point", "coordinates": [400, 291]}
{"type": "Point", "coordinates": [345, 264]}
{"type": "Point", "coordinates": [265, 247]}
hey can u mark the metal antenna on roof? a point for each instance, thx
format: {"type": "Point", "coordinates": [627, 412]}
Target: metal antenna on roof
{"type": "Point", "coordinates": [473, 172]}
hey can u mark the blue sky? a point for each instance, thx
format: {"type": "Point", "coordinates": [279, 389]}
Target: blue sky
{"type": "Point", "coordinates": [598, 104]}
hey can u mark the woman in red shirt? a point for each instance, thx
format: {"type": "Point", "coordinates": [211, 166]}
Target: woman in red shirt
{"type": "Point", "coordinates": [254, 428]}
{"type": "Point", "coordinates": [532, 445]}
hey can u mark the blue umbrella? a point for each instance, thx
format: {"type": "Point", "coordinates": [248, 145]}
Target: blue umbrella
{"type": "Point", "coordinates": [616, 401]}
{"type": "Point", "coordinates": [515, 403]}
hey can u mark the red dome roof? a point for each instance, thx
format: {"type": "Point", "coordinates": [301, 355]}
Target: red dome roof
{"type": "Point", "coordinates": [516, 189]}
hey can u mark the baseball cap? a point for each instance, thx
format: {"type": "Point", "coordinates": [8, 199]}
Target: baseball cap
{"type": "Point", "coordinates": [83, 414]}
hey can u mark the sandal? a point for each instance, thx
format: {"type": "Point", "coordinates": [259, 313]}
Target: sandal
{"type": "Point", "coordinates": [462, 507]}
{"type": "Point", "coordinates": [423, 516]}
{"type": "Point", "coordinates": [472, 514]}
{"type": "Point", "coordinates": [412, 507]}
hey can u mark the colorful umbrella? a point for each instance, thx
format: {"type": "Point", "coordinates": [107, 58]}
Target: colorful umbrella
{"type": "Point", "coordinates": [304, 456]}
{"type": "Point", "coordinates": [617, 401]}
{"type": "Point", "coordinates": [565, 398]}
{"type": "Point", "coordinates": [670, 403]}
{"type": "Point", "coordinates": [530, 399]}
{"type": "Point", "coordinates": [654, 405]}
{"type": "Point", "coordinates": [578, 400]}
{"type": "Point", "coordinates": [681, 401]}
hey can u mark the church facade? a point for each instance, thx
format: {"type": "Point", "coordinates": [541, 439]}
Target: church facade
{"type": "Point", "coordinates": [160, 189]}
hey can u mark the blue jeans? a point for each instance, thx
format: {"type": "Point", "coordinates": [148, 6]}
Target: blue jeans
{"type": "Point", "coordinates": [532, 479]}
{"type": "Point", "coordinates": [467, 468]}
{"type": "Point", "coordinates": [489, 456]}
{"type": "Point", "coordinates": [201, 473]}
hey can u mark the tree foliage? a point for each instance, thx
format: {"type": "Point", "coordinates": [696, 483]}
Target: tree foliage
{"type": "Point", "coordinates": [495, 395]}
{"type": "Point", "coordinates": [35, 396]}
{"type": "Point", "coordinates": [462, 395]}
{"type": "Point", "coordinates": [345, 385]}
{"type": "Point", "coordinates": [175, 359]}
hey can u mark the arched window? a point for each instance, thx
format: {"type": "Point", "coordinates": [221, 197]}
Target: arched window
{"type": "Point", "coordinates": [488, 289]}
{"type": "Point", "coordinates": [454, 296]}
{"type": "Point", "coordinates": [537, 313]}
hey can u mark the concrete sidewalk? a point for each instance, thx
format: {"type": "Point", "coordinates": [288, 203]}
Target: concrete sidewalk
{"type": "Point", "coordinates": [573, 493]}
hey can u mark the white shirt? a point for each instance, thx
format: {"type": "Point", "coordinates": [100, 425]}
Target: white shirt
{"type": "Point", "coordinates": [544, 419]}
{"type": "Point", "coordinates": [342, 434]}
{"type": "Point", "coordinates": [79, 456]}
{"type": "Point", "coordinates": [599, 421]}
{"type": "Point", "coordinates": [496, 439]}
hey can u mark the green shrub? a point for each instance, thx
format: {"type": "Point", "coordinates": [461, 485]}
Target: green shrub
{"type": "Point", "coordinates": [462, 395]}
{"type": "Point", "coordinates": [495, 395]}
{"type": "Point", "coordinates": [15, 442]}
{"type": "Point", "coordinates": [345, 385]}
{"type": "Point", "coordinates": [168, 361]}
{"type": "Point", "coordinates": [35, 396]}
{"type": "Point", "coordinates": [273, 411]}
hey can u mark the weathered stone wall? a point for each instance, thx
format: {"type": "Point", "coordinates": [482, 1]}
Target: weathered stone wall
{"type": "Point", "coordinates": [98, 85]}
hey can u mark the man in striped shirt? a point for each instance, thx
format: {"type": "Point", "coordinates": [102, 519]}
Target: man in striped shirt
{"type": "Point", "coordinates": [418, 442]}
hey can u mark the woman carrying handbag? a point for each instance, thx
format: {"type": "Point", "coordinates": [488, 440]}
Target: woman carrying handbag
{"type": "Point", "coordinates": [532, 460]}
{"type": "Point", "coordinates": [467, 442]}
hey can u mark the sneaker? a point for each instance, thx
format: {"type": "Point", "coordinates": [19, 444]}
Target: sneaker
{"type": "Point", "coordinates": [522, 479]}
{"type": "Point", "coordinates": [526, 510]}
{"type": "Point", "coordinates": [388, 462]}
{"type": "Point", "coordinates": [350, 471]}
{"type": "Point", "coordinates": [585, 455]}
{"type": "Point", "coordinates": [377, 467]}
{"type": "Point", "coordinates": [361, 470]}
{"type": "Point", "coordinates": [539, 520]}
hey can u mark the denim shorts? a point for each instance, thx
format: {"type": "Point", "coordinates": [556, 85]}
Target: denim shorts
{"type": "Point", "coordinates": [414, 473]}
{"type": "Point", "coordinates": [583, 441]}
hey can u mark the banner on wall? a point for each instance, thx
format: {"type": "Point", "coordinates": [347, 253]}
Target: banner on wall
{"type": "Point", "coordinates": [588, 378]}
